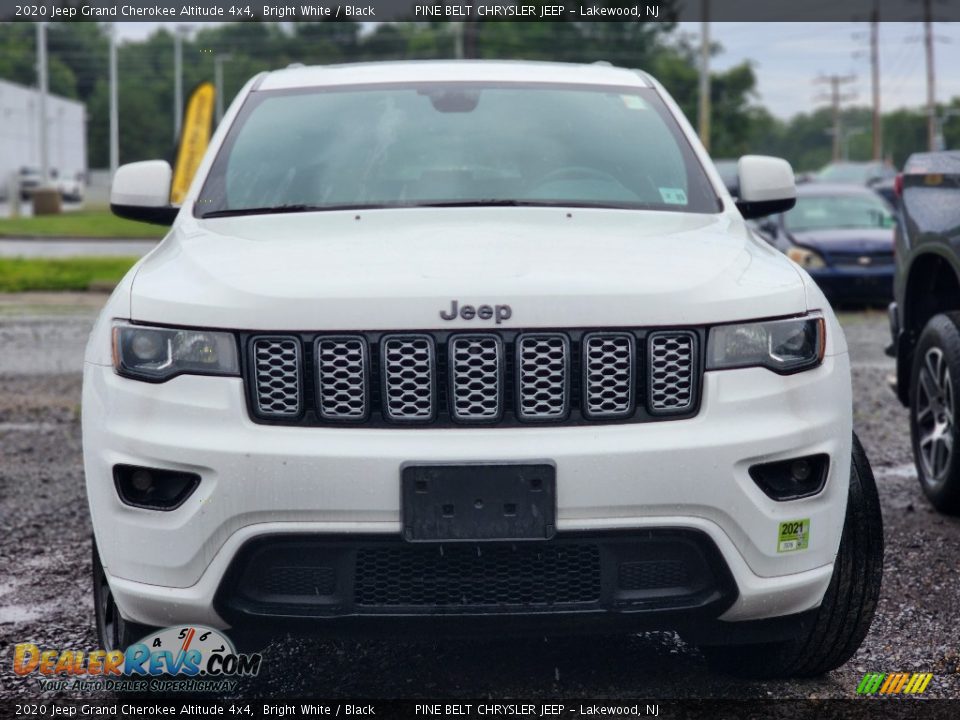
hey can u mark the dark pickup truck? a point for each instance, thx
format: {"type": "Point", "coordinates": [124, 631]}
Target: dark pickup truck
{"type": "Point", "coordinates": [925, 319]}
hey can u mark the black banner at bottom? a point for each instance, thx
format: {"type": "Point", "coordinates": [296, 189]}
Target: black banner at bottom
{"type": "Point", "coordinates": [501, 709]}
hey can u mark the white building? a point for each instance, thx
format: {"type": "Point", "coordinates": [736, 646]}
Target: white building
{"type": "Point", "coordinates": [20, 132]}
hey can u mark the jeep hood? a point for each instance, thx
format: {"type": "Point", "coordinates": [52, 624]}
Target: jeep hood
{"type": "Point", "coordinates": [397, 269]}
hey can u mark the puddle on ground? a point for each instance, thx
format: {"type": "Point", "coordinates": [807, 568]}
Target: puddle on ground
{"type": "Point", "coordinates": [907, 470]}
{"type": "Point", "coordinates": [15, 614]}
{"type": "Point", "coordinates": [28, 428]}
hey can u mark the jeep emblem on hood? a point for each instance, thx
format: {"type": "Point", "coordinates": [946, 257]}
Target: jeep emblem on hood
{"type": "Point", "coordinates": [484, 312]}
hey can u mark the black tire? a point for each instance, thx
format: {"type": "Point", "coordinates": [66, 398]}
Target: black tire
{"type": "Point", "coordinates": [934, 432]}
{"type": "Point", "coordinates": [113, 632]}
{"type": "Point", "coordinates": [848, 605]}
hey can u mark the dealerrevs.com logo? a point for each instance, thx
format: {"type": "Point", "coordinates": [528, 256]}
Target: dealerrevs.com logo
{"type": "Point", "coordinates": [188, 659]}
{"type": "Point", "coordinates": [894, 683]}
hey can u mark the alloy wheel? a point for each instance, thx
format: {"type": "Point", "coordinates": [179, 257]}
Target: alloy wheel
{"type": "Point", "coordinates": [934, 417]}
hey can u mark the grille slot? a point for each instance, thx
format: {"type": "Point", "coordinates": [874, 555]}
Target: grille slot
{"type": "Point", "coordinates": [476, 377]}
{"type": "Point", "coordinates": [409, 383]}
{"type": "Point", "coordinates": [297, 580]}
{"type": "Point", "coordinates": [342, 368]}
{"type": "Point", "coordinates": [276, 367]}
{"type": "Point", "coordinates": [672, 366]}
{"type": "Point", "coordinates": [462, 575]}
{"type": "Point", "coordinates": [608, 360]}
{"type": "Point", "coordinates": [652, 574]}
{"type": "Point", "coordinates": [543, 376]}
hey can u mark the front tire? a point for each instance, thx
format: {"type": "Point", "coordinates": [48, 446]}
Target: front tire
{"type": "Point", "coordinates": [848, 606]}
{"type": "Point", "coordinates": [933, 408]}
{"type": "Point", "coordinates": [113, 632]}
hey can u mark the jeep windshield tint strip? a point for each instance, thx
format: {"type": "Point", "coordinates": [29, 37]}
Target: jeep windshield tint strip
{"type": "Point", "coordinates": [455, 145]}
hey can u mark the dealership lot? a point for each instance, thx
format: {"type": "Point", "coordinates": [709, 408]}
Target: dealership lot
{"type": "Point", "coordinates": [45, 556]}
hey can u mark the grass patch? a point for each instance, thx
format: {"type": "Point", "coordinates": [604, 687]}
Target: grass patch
{"type": "Point", "coordinates": [92, 223]}
{"type": "Point", "coordinates": [80, 273]}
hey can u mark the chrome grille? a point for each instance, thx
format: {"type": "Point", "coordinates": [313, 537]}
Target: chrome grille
{"type": "Point", "coordinates": [543, 372]}
{"type": "Point", "coordinates": [486, 377]}
{"type": "Point", "coordinates": [672, 366]}
{"type": "Point", "coordinates": [408, 377]}
{"type": "Point", "coordinates": [608, 375]}
{"type": "Point", "coordinates": [276, 367]}
{"type": "Point", "coordinates": [476, 377]}
{"type": "Point", "coordinates": [342, 392]}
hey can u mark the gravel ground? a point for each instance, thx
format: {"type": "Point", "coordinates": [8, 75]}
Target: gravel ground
{"type": "Point", "coordinates": [45, 560]}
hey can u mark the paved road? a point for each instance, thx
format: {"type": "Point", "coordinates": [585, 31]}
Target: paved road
{"type": "Point", "coordinates": [45, 566]}
{"type": "Point", "coordinates": [36, 248]}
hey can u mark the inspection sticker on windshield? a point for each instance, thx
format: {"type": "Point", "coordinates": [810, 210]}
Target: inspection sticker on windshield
{"type": "Point", "coordinates": [673, 196]}
{"type": "Point", "coordinates": [634, 102]}
{"type": "Point", "coordinates": [794, 535]}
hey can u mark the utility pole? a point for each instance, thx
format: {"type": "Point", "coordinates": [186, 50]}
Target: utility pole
{"type": "Point", "coordinates": [931, 77]}
{"type": "Point", "coordinates": [457, 28]}
{"type": "Point", "coordinates": [218, 62]}
{"type": "Point", "coordinates": [875, 80]}
{"type": "Point", "coordinates": [705, 75]}
{"type": "Point", "coordinates": [177, 83]}
{"type": "Point", "coordinates": [178, 36]}
{"type": "Point", "coordinates": [114, 111]}
{"type": "Point", "coordinates": [42, 83]}
{"type": "Point", "coordinates": [836, 98]}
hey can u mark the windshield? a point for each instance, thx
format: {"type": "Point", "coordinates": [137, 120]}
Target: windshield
{"type": "Point", "coordinates": [855, 173]}
{"type": "Point", "coordinates": [455, 144]}
{"type": "Point", "coordinates": [838, 211]}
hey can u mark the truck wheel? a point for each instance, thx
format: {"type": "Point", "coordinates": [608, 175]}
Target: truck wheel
{"type": "Point", "coordinates": [113, 632]}
{"type": "Point", "coordinates": [933, 409]}
{"type": "Point", "coordinates": [848, 605]}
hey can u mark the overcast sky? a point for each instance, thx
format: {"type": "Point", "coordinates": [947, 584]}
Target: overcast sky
{"type": "Point", "coordinates": [787, 57]}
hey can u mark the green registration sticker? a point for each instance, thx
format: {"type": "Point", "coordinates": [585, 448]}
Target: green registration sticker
{"type": "Point", "coordinates": [794, 535]}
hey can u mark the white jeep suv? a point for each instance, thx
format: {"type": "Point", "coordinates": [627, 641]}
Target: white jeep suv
{"type": "Point", "coordinates": [481, 346]}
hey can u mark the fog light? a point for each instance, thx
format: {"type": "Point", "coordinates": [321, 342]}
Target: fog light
{"type": "Point", "coordinates": [792, 479]}
{"type": "Point", "coordinates": [153, 488]}
{"type": "Point", "coordinates": [801, 470]}
{"type": "Point", "coordinates": [141, 481]}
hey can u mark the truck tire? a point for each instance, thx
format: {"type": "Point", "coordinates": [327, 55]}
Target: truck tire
{"type": "Point", "coordinates": [113, 632]}
{"type": "Point", "coordinates": [933, 411]}
{"type": "Point", "coordinates": [848, 605]}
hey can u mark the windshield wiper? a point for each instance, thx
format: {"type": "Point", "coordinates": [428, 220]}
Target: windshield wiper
{"type": "Point", "coordinates": [280, 209]}
{"type": "Point", "coordinates": [258, 211]}
{"type": "Point", "coordinates": [491, 202]}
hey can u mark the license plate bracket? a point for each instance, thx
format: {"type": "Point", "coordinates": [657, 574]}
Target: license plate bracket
{"type": "Point", "coordinates": [482, 501]}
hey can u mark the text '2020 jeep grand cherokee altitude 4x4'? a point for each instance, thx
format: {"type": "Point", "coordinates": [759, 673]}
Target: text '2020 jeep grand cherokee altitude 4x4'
{"type": "Point", "coordinates": [482, 346]}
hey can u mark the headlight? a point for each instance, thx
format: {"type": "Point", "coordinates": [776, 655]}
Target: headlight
{"type": "Point", "coordinates": [158, 354]}
{"type": "Point", "coordinates": [784, 346]}
{"type": "Point", "coordinates": [807, 259]}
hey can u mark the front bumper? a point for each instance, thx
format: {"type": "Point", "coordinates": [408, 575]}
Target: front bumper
{"type": "Point", "coordinates": [260, 482]}
{"type": "Point", "coordinates": [864, 284]}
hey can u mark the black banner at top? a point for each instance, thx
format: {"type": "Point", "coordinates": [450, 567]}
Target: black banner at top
{"type": "Point", "coordinates": [470, 11]}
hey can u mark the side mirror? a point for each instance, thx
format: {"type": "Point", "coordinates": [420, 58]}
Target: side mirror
{"type": "Point", "coordinates": [767, 186]}
{"type": "Point", "coordinates": [141, 191]}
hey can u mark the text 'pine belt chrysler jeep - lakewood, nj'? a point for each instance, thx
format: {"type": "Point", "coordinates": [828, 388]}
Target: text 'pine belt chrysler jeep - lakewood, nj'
{"type": "Point", "coordinates": [479, 347]}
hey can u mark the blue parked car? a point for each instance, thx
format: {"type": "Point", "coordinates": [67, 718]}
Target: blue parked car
{"type": "Point", "coordinates": [843, 236]}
